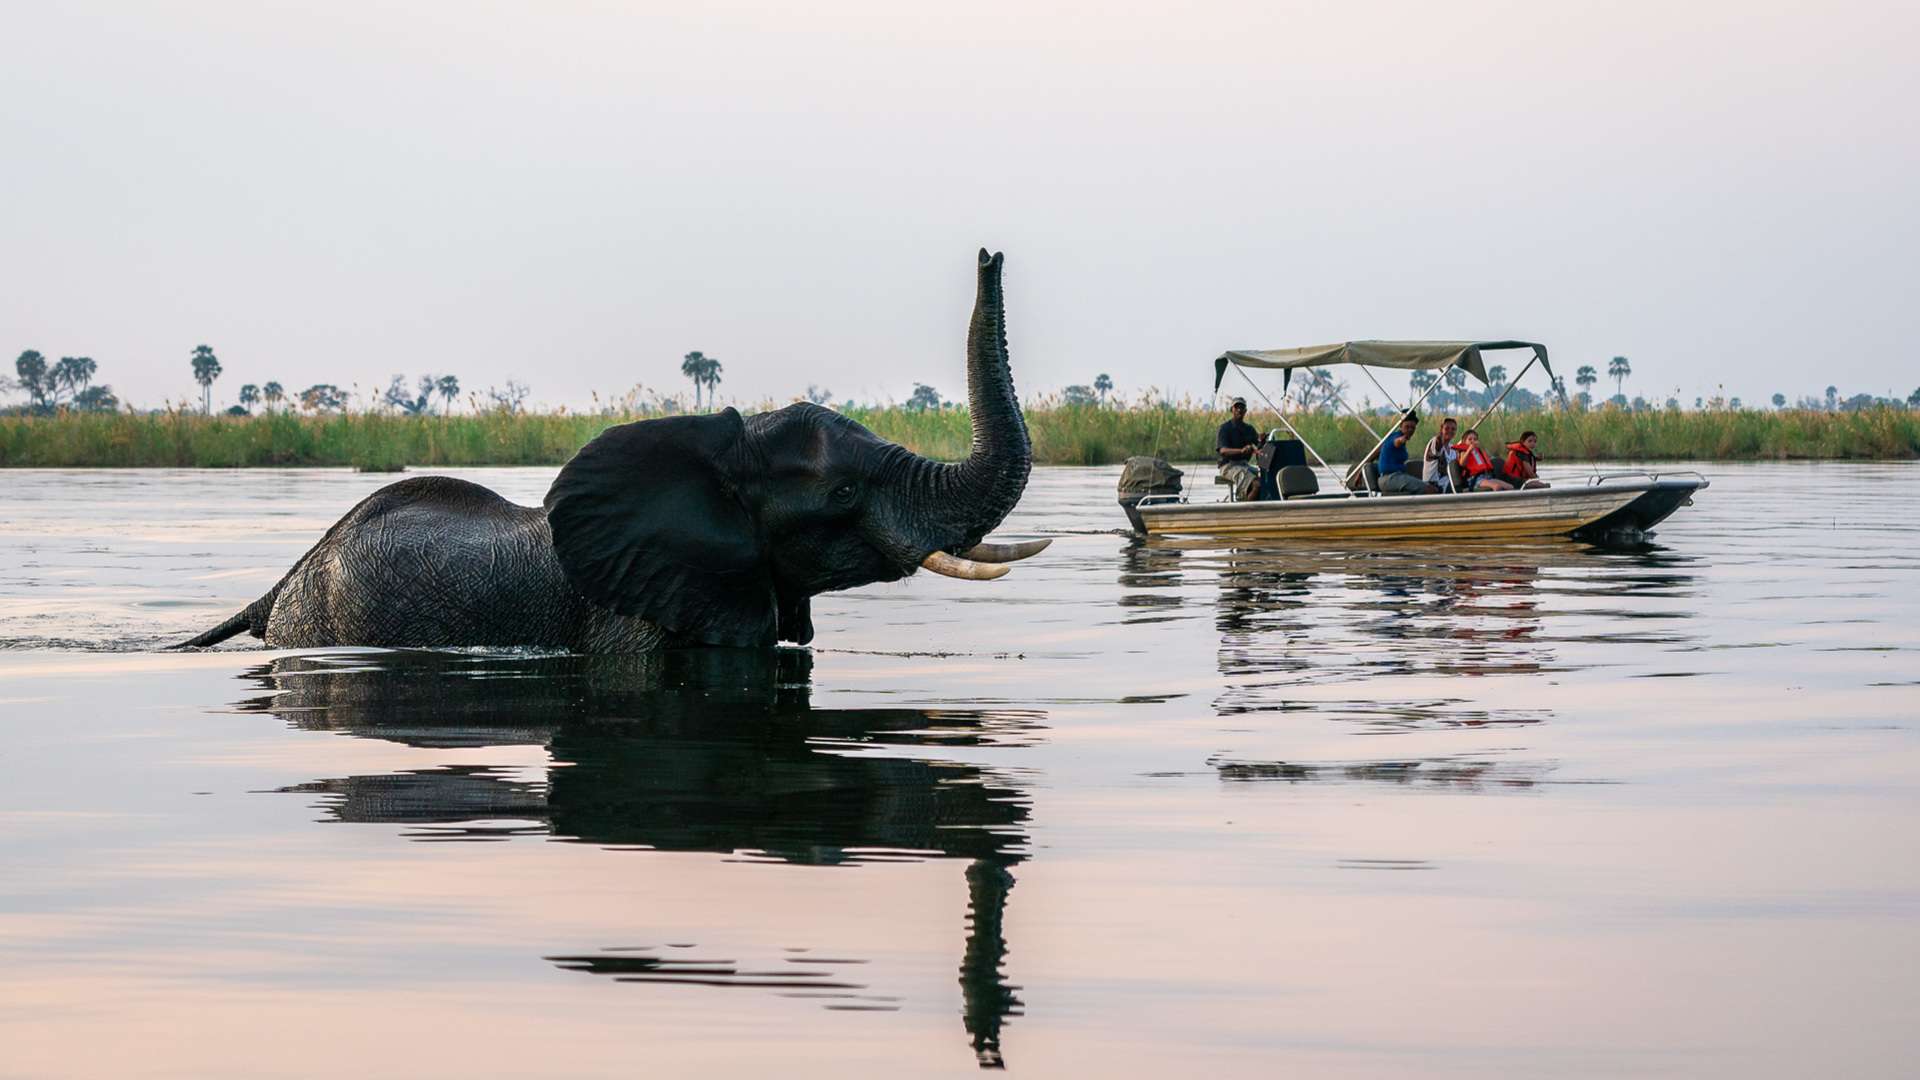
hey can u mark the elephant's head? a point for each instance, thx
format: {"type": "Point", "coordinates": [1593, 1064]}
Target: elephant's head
{"type": "Point", "coordinates": [721, 528]}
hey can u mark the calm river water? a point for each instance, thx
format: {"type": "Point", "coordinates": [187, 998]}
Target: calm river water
{"type": "Point", "coordinates": [1133, 810]}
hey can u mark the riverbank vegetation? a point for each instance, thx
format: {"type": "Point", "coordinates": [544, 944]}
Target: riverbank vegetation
{"type": "Point", "coordinates": [1063, 434]}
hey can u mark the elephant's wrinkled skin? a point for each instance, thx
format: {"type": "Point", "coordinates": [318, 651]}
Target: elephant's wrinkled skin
{"type": "Point", "coordinates": [685, 530]}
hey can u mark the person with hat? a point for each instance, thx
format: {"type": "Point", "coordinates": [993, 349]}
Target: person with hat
{"type": "Point", "coordinates": [1236, 443]}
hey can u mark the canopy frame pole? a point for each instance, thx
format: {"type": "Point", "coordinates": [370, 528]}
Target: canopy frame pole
{"type": "Point", "coordinates": [1431, 387]}
{"type": "Point", "coordinates": [1368, 372]}
{"type": "Point", "coordinates": [1361, 420]}
{"type": "Point", "coordinates": [1505, 392]}
{"type": "Point", "coordinates": [1282, 417]}
{"type": "Point", "coordinates": [1358, 417]}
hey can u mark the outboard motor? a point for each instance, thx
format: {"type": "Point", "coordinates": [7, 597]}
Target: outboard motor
{"type": "Point", "coordinates": [1144, 476]}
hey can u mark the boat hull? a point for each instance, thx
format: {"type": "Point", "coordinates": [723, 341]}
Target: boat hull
{"type": "Point", "coordinates": [1610, 506]}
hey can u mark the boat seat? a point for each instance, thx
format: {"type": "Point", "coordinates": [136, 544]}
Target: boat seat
{"type": "Point", "coordinates": [1368, 478]}
{"type": "Point", "coordinates": [1285, 452]}
{"type": "Point", "coordinates": [1297, 480]}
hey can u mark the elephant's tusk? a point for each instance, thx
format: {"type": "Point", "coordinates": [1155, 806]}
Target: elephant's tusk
{"type": "Point", "coordinates": [953, 566]}
{"type": "Point", "coordinates": [1005, 553]}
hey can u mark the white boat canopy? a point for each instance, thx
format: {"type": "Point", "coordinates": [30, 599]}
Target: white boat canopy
{"type": "Point", "coordinates": [1404, 355]}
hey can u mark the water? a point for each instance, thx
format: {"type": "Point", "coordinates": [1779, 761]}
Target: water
{"type": "Point", "coordinates": [1129, 811]}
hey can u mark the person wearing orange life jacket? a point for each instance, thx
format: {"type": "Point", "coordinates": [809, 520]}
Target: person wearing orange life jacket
{"type": "Point", "coordinates": [1476, 466]}
{"type": "Point", "coordinates": [1523, 462]}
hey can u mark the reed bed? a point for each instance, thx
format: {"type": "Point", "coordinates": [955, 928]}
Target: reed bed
{"type": "Point", "coordinates": [1062, 435]}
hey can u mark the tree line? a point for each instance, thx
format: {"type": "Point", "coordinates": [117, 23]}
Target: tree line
{"type": "Point", "coordinates": [69, 384]}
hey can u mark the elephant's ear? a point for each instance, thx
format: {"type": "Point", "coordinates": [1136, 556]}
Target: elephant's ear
{"type": "Point", "coordinates": [647, 522]}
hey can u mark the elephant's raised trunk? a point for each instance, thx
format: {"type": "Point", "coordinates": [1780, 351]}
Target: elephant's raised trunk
{"type": "Point", "coordinates": [965, 501]}
{"type": "Point", "coordinates": [995, 473]}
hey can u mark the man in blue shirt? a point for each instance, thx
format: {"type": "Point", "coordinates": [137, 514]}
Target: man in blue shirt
{"type": "Point", "coordinates": [1394, 478]}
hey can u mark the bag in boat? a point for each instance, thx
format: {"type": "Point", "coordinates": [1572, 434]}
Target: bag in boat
{"type": "Point", "coordinates": [1144, 476]}
{"type": "Point", "coordinates": [1149, 476]}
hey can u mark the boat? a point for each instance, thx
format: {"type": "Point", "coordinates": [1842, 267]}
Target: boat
{"type": "Point", "coordinates": [1610, 506]}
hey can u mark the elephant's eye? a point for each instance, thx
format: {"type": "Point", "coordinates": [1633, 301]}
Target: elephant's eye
{"type": "Point", "coordinates": [845, 493]}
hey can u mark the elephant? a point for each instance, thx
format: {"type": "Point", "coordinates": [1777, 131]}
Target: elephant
{"type": "Point", "coordinates": [686, 530]}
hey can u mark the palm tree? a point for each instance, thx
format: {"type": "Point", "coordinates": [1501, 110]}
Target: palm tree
{"type": "Point", "coordinates": [72, 374]}
{"type": "Point", "coordinates": [32, 369]}
{"type": "Point", "coordinates": [695, 367]}
{"type": "Point", "coordinates": [1618, 369]}
{"type": "Point", "coordinates": [206, 368]}
{"type": "Point", "coordinates": [1101, 384]}
{"type": "Point", "coordinates": [710, 374]}
{"type": "Point", "coordinates": [249, 396]}
{"type": "Point", "coordinates": [1833, 398]}
{"type": "Point", "coordinates": [1586, 377]}
{"type": "Point", "coordinates": [1457, 382]}
{"type": "Point", "coordinates": [273, 394]}
{"type": "Point", "coordinates": [1496, 382]}
{"type": "Point", "coordinates": [449, 388]}
{"type": "Point", "coordinates": [1420, 380]}
{"type": "Point", "coordinates": [1779, 401]}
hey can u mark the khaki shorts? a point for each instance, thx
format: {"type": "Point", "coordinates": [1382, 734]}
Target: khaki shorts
{"type": "Point", "coordinates": [1242, 480]}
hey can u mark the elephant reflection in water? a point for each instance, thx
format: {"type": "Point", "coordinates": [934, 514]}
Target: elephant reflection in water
{"type": "Point", "coordinates": [693, 750]}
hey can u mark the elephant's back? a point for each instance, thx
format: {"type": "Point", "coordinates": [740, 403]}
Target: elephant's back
{"type": "Point", "coordinates": [429, 561]}
{"type": "Point", "coordinates": [433, 495]}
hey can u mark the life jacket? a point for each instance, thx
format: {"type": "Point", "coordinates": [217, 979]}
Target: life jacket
{"type": "Point", "coordinates": [1521, 464]}
{"type": "Point", "coordinates": [1473, 460]}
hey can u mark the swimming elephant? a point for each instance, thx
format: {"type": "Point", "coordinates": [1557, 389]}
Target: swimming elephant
{"type": "Point", "coordinates": [712, 530]}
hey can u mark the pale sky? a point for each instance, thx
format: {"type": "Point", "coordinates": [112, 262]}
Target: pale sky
{"type": "Point", "coordinates": [575, 194]}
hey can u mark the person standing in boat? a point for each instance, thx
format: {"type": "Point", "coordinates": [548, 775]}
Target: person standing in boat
{"type": "Point", "coordinates": [1523, 462]}
{"type": "Point", "coordinates": [1236, 443]}
{"type": "Point", "coordinates": [1394, 477]}
{"type": "Point", "coordinates": [1476, 466]}
{"type": "Point", "coordinates": [1435, 458]}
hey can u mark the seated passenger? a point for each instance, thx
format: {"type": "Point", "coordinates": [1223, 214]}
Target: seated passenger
{"type": "Point", "coordinates": [1394, 478]}
{"type": "Point", "coordinates": [1523, 462]}
{"type": "Point", "coordinates": [1438, 453]}
{"type": "Point", "coordinates": [1476, 466]}
{"type": "Point", "coordinates": [1235, 443]}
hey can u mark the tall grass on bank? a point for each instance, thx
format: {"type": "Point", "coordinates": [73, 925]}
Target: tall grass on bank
{"type": "Point", "coordinates": [372, 441]}
{"type": "Point", "coordinates": [1062, 435]}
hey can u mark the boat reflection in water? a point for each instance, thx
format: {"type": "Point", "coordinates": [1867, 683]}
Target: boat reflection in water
{"type": "Point", "coordinates": [1333, 633]}
{"type": "Point", "coordinates": [698, 750]}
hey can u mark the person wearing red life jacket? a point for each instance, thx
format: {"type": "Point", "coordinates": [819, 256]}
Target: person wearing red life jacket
{"type": "Point", "coordinates": [1476, 466]}
{"type": "Point", "coordinates": [1523, 462]}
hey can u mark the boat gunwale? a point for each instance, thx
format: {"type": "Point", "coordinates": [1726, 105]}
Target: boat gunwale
{"type": "Point", "coordinates": [1482, 498]}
